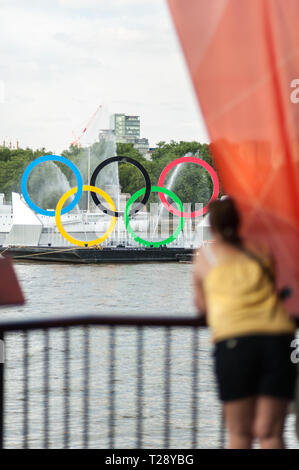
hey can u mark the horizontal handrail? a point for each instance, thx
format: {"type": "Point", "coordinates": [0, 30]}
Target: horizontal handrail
{"type": "Point", "coordinates": [97, 320]}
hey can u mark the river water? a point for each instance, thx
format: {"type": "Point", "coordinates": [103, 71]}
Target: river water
{"type": "Point", "coordinates": [140, 289]}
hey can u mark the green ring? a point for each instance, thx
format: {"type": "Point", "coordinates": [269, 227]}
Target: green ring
{"type": "Point", "coordinates": [154, 189]}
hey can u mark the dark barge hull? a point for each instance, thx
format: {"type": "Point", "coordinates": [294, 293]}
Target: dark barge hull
{"type": "Point", "coordinates": [98, 256]}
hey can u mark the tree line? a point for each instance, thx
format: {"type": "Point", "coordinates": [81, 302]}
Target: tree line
{"type": "Point", "coordinates": [192, 184]}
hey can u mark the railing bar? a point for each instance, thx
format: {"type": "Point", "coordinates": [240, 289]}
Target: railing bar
{"type": "Point", "coordinates": [86, 389]}
{"type": "Point", "coordinates": [112, 387]}
{"type": "Point", "coordinates": [2, 392]}
{"type": "Point", "coordinates": [66, 387]}
{"type": "Point", "coordinates": [119, 321]}
{"type": "Point", "coordinates": [25, 390]}
{"type": "Point", "coordinates": [46, 388]}
{"type": "Point", "coordinates": [194, 406]}
{"type": "Point", "coordinates": [222, 429]}
{"type": "Point", "coordinates": [167, 388]}
{"type": "Point", "coordinates": [139, 400]}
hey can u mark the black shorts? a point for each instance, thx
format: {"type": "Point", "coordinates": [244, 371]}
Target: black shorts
{"type": "Point", "coordinates": [255, 365]}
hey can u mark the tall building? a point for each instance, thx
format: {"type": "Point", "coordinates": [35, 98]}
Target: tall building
{"type": "Point", "coordinates": [127, 130]}
{"type": "Point", "coordinates": [126, 126]}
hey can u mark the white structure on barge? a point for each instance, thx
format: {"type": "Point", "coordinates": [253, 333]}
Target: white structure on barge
{"type": "Point", "coordinates": [20, 226]}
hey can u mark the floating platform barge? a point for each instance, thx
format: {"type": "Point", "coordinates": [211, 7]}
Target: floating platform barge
{"type": "Point", "coordinates": [119, 254]}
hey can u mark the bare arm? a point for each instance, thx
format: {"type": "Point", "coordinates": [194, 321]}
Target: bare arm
{"type": "Point", "coordinates": [199, 299]}
{"type": "Point", "coordinates": [199, 295]}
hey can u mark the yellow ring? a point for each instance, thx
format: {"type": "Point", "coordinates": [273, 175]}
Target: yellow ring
{"type": "Point", "coordinates": [59, 206]}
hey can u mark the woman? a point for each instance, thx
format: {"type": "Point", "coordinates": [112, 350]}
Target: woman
{"type": "Point", "coordinates": [251, 331]}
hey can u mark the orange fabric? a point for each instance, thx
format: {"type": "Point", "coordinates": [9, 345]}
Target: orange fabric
{"type": "Point", "coordinates": [243, 56]}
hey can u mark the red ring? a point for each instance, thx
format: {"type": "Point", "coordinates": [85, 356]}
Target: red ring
{"type": "Point", "coordinates": [200, 162]}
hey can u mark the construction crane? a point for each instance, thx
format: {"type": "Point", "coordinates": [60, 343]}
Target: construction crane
{"type": "Point", "coordinates": [76, 142]}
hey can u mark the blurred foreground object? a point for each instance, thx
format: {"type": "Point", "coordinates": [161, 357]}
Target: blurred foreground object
{"type": "Point", "coordinates": [10, 290]}
{"type": "Point", "coordinates": [243, 57]}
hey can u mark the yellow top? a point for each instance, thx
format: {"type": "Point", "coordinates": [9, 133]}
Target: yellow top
{"type": "Point", "coordinates": [241, 300]}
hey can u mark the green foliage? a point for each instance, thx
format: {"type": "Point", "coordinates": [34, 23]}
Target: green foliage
{"type": "Point", "coordinates": [192, 184]}
{"type": "Point", "coordinates": [12, 165]}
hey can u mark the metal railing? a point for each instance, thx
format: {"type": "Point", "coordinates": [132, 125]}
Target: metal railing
{"type": "Point", "coordinates": [57, 367]}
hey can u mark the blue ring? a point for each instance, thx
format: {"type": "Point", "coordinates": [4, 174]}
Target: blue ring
{"type": "Point", "coordinates": [47, 158]}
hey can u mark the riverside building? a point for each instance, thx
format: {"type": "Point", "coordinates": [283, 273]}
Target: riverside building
{"type": "Point", "coordinates": [127, 131]}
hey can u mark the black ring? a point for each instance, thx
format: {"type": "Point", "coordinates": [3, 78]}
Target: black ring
{"type": "Point", "coordinates": [138, 165]}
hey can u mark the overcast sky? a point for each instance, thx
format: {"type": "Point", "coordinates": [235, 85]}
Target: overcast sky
{"type": "Point", "coordinates": [60, 59]}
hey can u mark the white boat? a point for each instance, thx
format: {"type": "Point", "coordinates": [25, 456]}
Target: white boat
{"type": "Point", "coordinates": [19, 225]}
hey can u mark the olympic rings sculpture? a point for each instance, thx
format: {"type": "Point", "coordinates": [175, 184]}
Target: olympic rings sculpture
{"type": "Point", "coordinates": [112, 211]}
